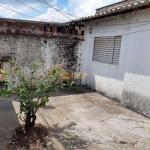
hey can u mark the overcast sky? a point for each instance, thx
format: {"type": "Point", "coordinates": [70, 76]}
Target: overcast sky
{"type": "Point", "coordinates": [20, 9]}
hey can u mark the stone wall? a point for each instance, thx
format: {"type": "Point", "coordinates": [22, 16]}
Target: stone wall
{"type": "Point", "coordinates": [25, 49]}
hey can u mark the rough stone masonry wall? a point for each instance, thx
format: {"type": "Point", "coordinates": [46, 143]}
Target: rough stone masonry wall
{"type": "Point", "coordinates": [53, 50]}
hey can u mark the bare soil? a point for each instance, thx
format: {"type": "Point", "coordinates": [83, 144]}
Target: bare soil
{"type": "Point", "coordinates": [41, 137]}
{"type": "Point", "coordinates": [35, 138]}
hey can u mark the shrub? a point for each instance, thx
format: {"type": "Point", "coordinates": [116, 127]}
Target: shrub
{"type": "Point", "coordinates": [32, 88]}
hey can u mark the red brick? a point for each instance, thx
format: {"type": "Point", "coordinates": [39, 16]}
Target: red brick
{"type": "Point", "coordinates": [36, 26]}
{"type": "Point", "coordinates": [9, 31]}
{"type": "Point", "coordinates": [20, 25]}
{"type": "Point", "coordinates": [24, 32]}
{"type": "Point", "coordinates": [48, 28]}
{"type": "Point", "coordinates": [46, 34]}
{"type": "Point", "coordinates": [74, 32]}
{"type": "Point", "coordinates": [27, 26]}
{"type": "Point", "coordinates": [41, 27]}
{"type": "Point", "coordinates": [67, 31]}
{"type": "Point", "coordinates": [17, 31]}
{"type": "Point", "coordinates": [12, 23]}
{"type": "Point", "coordinates": [54, 29]}
{"type": "Point", "coordinates": [1, 23]}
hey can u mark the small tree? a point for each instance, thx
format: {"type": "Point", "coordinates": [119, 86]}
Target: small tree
{"type": "Point", "coordinates": [32, 89]}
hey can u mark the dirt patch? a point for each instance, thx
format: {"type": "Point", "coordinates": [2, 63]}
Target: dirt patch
{"type": "Point", "coordinates": [42, 137]}
{"type": "Point", "coordinates": [32, 139]}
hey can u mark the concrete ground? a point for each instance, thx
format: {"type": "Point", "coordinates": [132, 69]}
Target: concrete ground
{"type": "Point", "coordinates": [88, 120]}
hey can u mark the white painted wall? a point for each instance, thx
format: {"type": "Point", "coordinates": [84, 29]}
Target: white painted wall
{"type": "Point", "coordinates": [106, 78]}
{"type": "Point", "coordinates": [130, 79]}
{"type": "Point", "coordinates": [136, 89]}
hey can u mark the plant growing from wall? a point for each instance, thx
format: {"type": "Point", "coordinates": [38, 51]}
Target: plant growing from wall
{"type": "Point", "coordinates": [32, 89]}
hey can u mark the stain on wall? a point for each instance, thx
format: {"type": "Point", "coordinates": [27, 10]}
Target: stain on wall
{"type": "Point", "coordinates": [25, 49]}
{"type": "Point", "coordinates": [136, 102]}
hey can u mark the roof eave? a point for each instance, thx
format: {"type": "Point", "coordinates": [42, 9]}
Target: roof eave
{"type": "Point", "coordinates": [115, 12]}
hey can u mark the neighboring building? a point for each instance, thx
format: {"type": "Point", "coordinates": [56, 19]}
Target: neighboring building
{"type": "Point", "coordinates": [116, 53]}
{"type": "Point", "coordinates": [27, 41]}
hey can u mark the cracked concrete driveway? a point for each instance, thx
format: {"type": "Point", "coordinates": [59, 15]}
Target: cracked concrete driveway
{"type": "Point", "coordinates": [101, 123]}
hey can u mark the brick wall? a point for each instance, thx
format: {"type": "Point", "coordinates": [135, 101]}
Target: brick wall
{"type": "Point", "coordinates": [40, 29]}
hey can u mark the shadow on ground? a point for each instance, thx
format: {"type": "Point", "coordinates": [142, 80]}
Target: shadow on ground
{"type": "Point", "coordinates": [52, 138]}
{"type": "Point", "coordinates": [68, 140]}
{"type": "Point", "coordinates": [8, 121]}
{"type": "Point", "coordinates": [75, 90]}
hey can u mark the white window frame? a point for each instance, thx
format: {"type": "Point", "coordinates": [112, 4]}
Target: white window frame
{"type": "Point", "coordinates": [107, 49]}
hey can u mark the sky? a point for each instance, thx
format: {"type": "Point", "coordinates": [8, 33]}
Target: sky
{"type": "Point", "coordinates": [41, 10]}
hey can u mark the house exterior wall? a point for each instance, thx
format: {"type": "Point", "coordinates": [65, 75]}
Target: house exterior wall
{"type": "Point", "coordinates": [25, 49]}
{"type": "Point", "coordinates": [128, 82]}
{"type": "Point", "coordinates": [136, 95]}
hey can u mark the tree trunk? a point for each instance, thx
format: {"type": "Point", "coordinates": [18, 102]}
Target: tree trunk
{"type": "Point", "coordinates": [30, 122]}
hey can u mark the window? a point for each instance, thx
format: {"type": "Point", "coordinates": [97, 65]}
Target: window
{"type": "Point", "coordinates": [107, 49]}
